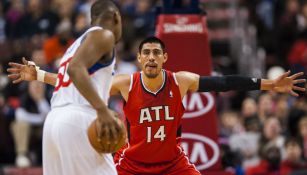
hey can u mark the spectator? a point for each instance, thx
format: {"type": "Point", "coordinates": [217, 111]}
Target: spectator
{"type": "Point", "coordinates": [282, 110]}
{"type": "Point", "coordinates": [269, 164]}
{"type": "Point", "coordinates": [293, 160]}
{"type": "Point", "coordinates": [302, 131]}
{"type": "Point", "coordinates": [85, 9]}
{"type": "Point", "coordinates": [38, 20]}
{"type": "Point", "coordinates": [288, 29]}
{"type": "Point", "coordinates": [2, 25]}
{"type": "Point", "coordinates": [181, 6]}
{"type": "Point", "coordinates": [32, 112]}
{"type": "Point", "coordinates": [265, 11]}
{"type": "Point", "coordinates": [13, 19]}
{"type": "Point", "coordinates": [6, 141]}
{"type": "Point", "coordinates": [230, 124]}
{"type": "Point", "coordinates": [39, 59]}
{"type": "Point", "coordinates": [252, 124]}
{"type": "Point", "coordinates": [3, 79]}
{"type": "Point", "coordinates": [246, 143]}
{"type": "Point", "coordinates": [231, 160]}
{"type": "Point", "coordinates": [265, 107]}
{"type": "Point", "coordinates": [271, 136]}
{"type": "Point", "coordinates": [293, 119]}
{"type": "Point", "coordinates": [302, 18]}
{"type": "Point", "coordinates": [65, 9]}
{"type": "Point", "coordinates": [55, 46]}
{"type": "Point", "coordinates": [81, 25]}
{"type": "Point", "coordinates": [128, 63]}
{"type": "Point", "coordinates": [298, 53]}
{"type": "Point", "coordinates": [249, 108]}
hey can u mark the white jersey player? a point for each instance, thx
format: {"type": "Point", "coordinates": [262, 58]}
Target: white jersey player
{"type": "Point", "coordinates": [70, 117]}
{"type": "Point", "coordinates": [66, 93]}
{"type": "Point", "coordinates": [82, 89]}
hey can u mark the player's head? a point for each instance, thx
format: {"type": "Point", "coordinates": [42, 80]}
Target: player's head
{"type": "Point", "coordinates": [106, 14]}
{"type": "Point", "coordinates": [151, 56]}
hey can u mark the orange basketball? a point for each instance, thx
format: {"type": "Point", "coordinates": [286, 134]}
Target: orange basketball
{"type": "Point", "coordinates": [101, 147]}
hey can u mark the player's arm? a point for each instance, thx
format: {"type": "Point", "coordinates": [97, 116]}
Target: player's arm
{"type": "Point", "coordinates": [284, 83]}
{"type": "Point", "coordinates": [187, 82]}
{"type": "Point", "coordinates": [121, 85]}
{"type": "Point", "coordinates": [96, 44]}
{"type": "Point", "coordinates": [28, 72]}
{"type": "Point", "coordinates": [50, 78]}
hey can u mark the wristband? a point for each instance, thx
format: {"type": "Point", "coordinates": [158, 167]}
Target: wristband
{"type": "Point", "coordinates": [40, 75]}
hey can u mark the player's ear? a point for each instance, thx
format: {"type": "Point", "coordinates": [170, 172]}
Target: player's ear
{"type": "Point", "coordinates": [116, 17]}
{"type": "Point", "coordinates": [139, 57]}
{"type": "Point", "coordinates": [165, 55]}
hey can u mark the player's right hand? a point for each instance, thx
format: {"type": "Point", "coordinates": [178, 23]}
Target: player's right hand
{"type": "Point", "coordinates": [22, 72]}
{"type": "Point", "coordinates": [109, 129]}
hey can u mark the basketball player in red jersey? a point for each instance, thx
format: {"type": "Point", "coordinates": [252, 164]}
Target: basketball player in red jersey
{"type": "Point", "coordinates": [154, 109]}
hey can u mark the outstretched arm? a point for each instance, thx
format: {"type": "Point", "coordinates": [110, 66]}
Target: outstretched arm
{"type": "Point", "coordinates": [27, 72]}
{"type": "Point", "coordinates": [193, 82]}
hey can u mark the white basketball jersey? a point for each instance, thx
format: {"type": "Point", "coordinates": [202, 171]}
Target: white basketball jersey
{"type": "Point", "coordinates": [66, 93]}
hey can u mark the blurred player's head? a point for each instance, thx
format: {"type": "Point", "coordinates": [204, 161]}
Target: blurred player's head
{"type": "Point", "coordinates": [152, 56]}
{"type": "Point", "coordinates": [106, 14]}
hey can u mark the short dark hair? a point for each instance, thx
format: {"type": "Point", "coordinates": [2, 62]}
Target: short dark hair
{"type": "Point", "coordinates": [152, 39]}
{"type": "Point", "coordinates": [293, 140]}
{"type": "Point", "coordinates": [99, 7]}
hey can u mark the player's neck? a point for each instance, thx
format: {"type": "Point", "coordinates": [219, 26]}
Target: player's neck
{"type": "Point", "coordinates": [104, 24]}
{"type": "Point", "coordinates": [153, 84]}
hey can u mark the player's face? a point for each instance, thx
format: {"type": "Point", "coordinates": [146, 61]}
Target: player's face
{"type": "Point", "coordinates": [152, 58]}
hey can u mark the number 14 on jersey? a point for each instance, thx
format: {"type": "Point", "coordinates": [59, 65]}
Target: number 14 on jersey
{"type": "Point", "coordinates": [160, 134]}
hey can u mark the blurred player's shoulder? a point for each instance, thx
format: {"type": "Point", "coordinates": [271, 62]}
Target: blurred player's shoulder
{"type": "Point", "coordinates": [183, 77]}
{"type": "Point", "coordinates": [187, 81]}
{"type": "Point", "coordinates": [101, 37]}
{"type": "Point", "coordinates": [120, 84]}
{"type": "Point", "coordinates": [122, 78]}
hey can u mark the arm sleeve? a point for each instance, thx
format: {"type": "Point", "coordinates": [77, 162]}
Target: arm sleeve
{"type": "Point", "coordinates": [227, 83]}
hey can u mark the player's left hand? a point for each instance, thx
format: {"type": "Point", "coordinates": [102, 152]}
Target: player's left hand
{"type": "Point", "coordinates": [22, 72]}
{"type": "Point", "coordinates": [287, 84]}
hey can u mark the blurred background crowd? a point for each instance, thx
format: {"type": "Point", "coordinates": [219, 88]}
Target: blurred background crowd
{"type": "Point", "coordinates": [259, 132]}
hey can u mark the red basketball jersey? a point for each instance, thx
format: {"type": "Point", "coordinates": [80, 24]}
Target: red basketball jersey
{"type": "Point", "coordinates": [153, 121]}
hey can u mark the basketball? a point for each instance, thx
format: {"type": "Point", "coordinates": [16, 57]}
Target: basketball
{"type": "Point", "coordinates": [101, 147]}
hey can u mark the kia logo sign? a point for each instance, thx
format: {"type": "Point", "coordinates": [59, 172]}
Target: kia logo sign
{"type": "Point", "coordinates": [197, 104]}
{"type": "Point", "coordinates": [196, 147]}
